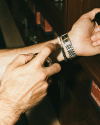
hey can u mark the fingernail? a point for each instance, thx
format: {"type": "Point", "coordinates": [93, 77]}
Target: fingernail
{"type": "Point", "coordinates": [97, 29]}
{"type": "Point", "coordinates": [93, 37]}
{"type": "Point", "coordinates": [94, 43]}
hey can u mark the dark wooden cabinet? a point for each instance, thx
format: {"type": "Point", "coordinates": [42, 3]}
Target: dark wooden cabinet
{"type": "Point", "coordinates": [72, 102]}
{"type": "Point", "coordinates": [63, 14]}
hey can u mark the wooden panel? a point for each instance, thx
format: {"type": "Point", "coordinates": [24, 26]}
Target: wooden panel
{"type": "Point", "coordinates": [52, 16]}
{"type": "Point", "coordinates": [76, 105]}
{"type": "Point", "coordinates": [81, 93]}
{"type": "Point", "coordinates": [74, 12]}
{"type": "Point", "coordinates": [9, 2]}
{"type": "Point", "coordinates": [90, 4]}
{"type": "Point", "coordinates": [79, 123]}
{"type": "Point", "coordinates": [92, 66]}
{"type": "Point", "coordinates": [11, 34]}
{"type": "Point", "coordinates": [69, 110]}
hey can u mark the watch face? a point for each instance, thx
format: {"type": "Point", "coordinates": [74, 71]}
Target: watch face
{"type": "Point", "coordinates": [68, 46]}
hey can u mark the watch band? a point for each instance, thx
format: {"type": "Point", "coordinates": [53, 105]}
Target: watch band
{"type": "Point", "coordinates": [64, 55]}
{"type": "Point", "coordinates": [68, 45]}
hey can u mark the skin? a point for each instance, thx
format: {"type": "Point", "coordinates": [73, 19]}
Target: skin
{"type": "Point", "coordinates": [24, 77]}
{"type": "Point", "coordinates": [25, 84]}
{"type": "Point", "coordinates": [96, 37]}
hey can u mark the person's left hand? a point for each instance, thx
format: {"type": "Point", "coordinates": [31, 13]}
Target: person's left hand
{"type": "Point", "coordinates": [25, 84]}
{"type": "Point", "coordinates": [81, 35]}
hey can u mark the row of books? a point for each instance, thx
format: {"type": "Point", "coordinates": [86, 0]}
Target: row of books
{"type": "Point", "coordinates": [40, 20]}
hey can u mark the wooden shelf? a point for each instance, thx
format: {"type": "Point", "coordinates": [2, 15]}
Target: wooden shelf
{"type": "Point", "coordinates": [52, 15]}
{"type": "Point", "coordinates": [76, 106]}
{"type": "Point", "coordinates": [31, 18]}
{"type": "Point", "coordinates": [72, 103]}
{"type": "Point", "coordinates": [92, 66]}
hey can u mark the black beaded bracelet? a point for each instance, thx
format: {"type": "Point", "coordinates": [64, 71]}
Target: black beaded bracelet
{"type": "Point", "coordinates": [62, 49]}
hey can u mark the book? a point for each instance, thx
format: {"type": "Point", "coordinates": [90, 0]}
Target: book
{"type": "Point", "coordinates": [95, 94]}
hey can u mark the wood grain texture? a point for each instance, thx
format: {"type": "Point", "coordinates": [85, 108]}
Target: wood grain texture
{"type": "Point", "coordinates": [92, 66]}
{"type": "Point", "coordinates": [11, 34]}
{"type": "Point", "coordinates": [74, 12]}
{"type": "Point", "coordinates": [88, 5]}
{"type": "Point", "coordinates": [73, 105]}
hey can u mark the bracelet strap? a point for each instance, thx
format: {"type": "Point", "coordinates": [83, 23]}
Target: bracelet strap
{"type": "Point", "coordinates": [62, 49]}
{"type": "Point", "coordinates": [65, 39]}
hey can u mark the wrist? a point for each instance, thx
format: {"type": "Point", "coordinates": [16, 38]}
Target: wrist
{"type": "Point", "coordinates": [8, 112]}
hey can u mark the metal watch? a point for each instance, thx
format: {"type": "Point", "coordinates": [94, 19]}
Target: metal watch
{"type": "Point", "coordinates": [68, 45]}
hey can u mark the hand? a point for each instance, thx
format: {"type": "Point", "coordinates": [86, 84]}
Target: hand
{"type": "Point", "coordinates": [81, 32]}
{"type": "Point", "coordinates": [25, 81]}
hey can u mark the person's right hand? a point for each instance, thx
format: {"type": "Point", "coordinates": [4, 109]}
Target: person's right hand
{"type": "Point", "coordinates": [96, 36]}
{"type": "Point", "coordinates": [81, 33]}
{"type": "Point", "coordinates": [25, 81]}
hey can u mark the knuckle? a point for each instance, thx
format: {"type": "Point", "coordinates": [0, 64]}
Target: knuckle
{"type": "Point", "coordinates": [9, 67]}
{"type": "Point", "coordinates": [98, 42]}
{"type": "Point", "coordinates": [57, 67]}
{"type": "Point", "coordinates": [22, 57]}
{"type": "Point", "coordinates": [46, 85]}
{"type": "Point", "coordinates": [43, 76]}
{"type": "Point", "coordinates": [44, 94]}
{"type": "Point", "coordinates": [46, 49]}
{"type": "Point", "coordinates": [98, 35]}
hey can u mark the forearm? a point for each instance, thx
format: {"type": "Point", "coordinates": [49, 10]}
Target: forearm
{"type": "Point", "coordinates": [8, 114]}
{"type": "Point", "coordinates": [8, 55]}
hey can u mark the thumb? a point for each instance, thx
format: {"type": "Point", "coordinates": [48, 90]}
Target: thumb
{"type": "Point", "coordinates": [53, 69]}
{"type": "Point", "coordinates": [20, 60]}
{"type": "Point", "coordinates": [91, 15]}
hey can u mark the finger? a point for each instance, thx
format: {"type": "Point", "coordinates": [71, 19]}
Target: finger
{"type": "Point", "coordinates": [91, 15]}
{"type": "Point", "coordinates": [44, 53]}
{"type": "Point", "coordinates": [97, 29]}
{"type": "Point", "coordinates": [41, 88]}
{"type": "Point", "coordinates": [20, 60]}
{"type": "Point", "coordinates": [96, 36]}
{"type": "Point", "coordinates": [53, 69]}
{"type": "Point", "coordinates": [38, 99]}
{"type": "Point", "coordinates": [96, 43]}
